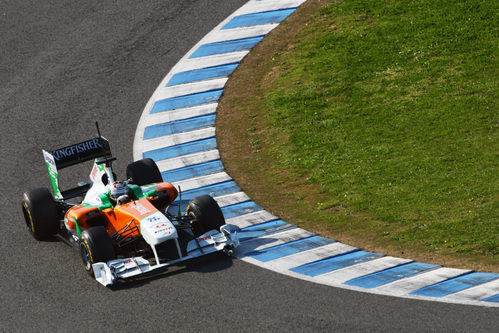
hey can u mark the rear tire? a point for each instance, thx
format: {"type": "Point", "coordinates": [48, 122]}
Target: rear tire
{"type": "Point", "coordinates": [206, 214]}
{"type": "Point", "coordinates": [95, 246]}
{"type": "Point", "coordinates": [40, 213]}
{"type": "Point", "coordinates": [143, 172]}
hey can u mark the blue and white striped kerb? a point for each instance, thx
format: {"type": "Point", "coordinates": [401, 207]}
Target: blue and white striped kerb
{"type": "Point", "coordinates": [177, 130]}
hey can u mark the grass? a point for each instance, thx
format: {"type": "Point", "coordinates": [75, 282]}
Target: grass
{"type": "Point", "coordinates": [375, 123]}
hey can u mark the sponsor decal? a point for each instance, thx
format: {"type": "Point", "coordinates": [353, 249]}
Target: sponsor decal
{"type": "Point", "coordinates": [163, 228]}
{"type": "Point", "coordinates": [52, 170]}
{"type": "Point", "coordinates": [89, 252]}
{"type": "Point", "coordinates": [94, 172]}
{"type": "Point", "coordinates": [49, 160]}
{"type": "Point", "coordinates": [76, 149]}
{"type": "Point", "coordinates": [204, 238]}
{"type": "Point", "coordinates": [153, 219]}
{"type": "Point", "coordinates": [129, 263]}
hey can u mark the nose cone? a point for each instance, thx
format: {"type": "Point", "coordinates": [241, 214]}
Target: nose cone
{"type": "Point", "coordinates": [157, 228]}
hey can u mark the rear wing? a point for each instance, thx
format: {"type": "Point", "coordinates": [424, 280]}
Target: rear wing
{"type": "Point", "coordinates": [80, 152]}
{"type": "Point", "coordinates": [71, 155]}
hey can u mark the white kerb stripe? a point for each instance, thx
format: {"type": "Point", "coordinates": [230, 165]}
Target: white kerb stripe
{"type": "Point", "coordinates": [208, 61]}
{"type": "Point", "coordinates": [263, 6]}
{"type": "Point", "coordinates": [344, 274]}
{"type": "Point", "coordinates": [409, 284]}
{"type": "Point", "coordinates": [240, 33]}
{"type": "Point", "coordinates": [187, 160]}
{"type": "Point", "coordinates": [178, 138]}
{"type": "Point", "coordinates": [197, 182]}
{"type": "Point", "coordinates": [272, 240]}
{"type": "Point", "coordinates": [188, 88]}
{"type": "Point", "coordinates": [477, 293]}
{"type": "Point", "coordinates": [180, 114]}
{"type": "Point", "coordinates": [247, 220]}
{"type": "Point", "coordinates": [308, 256]}
{"type": "Point", "coordinates": [232, 198]}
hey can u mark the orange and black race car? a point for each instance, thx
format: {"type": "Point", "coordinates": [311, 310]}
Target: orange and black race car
{"type": "Point", "coordinates": [123, 229]}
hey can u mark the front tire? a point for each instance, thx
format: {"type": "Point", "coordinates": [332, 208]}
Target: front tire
{"type": "Point", "coordinates": [206, 214]}
{"type": "Point", "coordinates": [143, 172]}
{"type": "Point", "coordinates": [40, 213]}
{"type": "Point", "coordinates": [95, 246]}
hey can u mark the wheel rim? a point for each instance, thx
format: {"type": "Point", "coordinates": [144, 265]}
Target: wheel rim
{"type": "Point", "coordinates": [85, 256]}
{"type": "Point", "coordinates": [196, 226]}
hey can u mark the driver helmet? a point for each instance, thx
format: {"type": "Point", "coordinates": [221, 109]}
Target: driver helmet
{"type": "Point", "coordinates": [118, 189]}
{"type": "Point", "coordinates": [123, 199]}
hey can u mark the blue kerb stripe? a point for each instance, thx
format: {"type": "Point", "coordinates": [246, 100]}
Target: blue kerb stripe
{"type": "Point", "coordinates": [262, 229]}
{"type": "Point", "coordinates": [274, 16]}
{"type": "Point", "coordinates": [214, 190]}
{"type": "Point", "coordinates": [264, 225]}
{"type": "Point", "coordinates": [179, 126]}
{"type": "Point", "coordinates": [494, 298]}
{"type": "Point", "coordinates": [181, 149]}
{"type": "Point", "coordinates": [390, 274]}
{"type": "Point", "coordinates": [455, 284]}
{"type": "Point", "coordinates": [226, 46]}
{"type": "Point", "coordinates": [202, 74]}
{"type": "Point", "coordinates": [191, 171]}
{"type": "Point", "coordinates": [240, 209]}
{"type": "Point", "coordinates": [185, 101]}
{"type": "Point", "coordinates": [335, 262]}
{"type": "Point", "coordinates": [283, 250]}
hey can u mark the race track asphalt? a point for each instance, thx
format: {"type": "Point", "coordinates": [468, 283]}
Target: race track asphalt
{"type": "Point", "coordinates": [65, 64]}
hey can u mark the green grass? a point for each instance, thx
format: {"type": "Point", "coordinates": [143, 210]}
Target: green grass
{"type": "Point", "coordinates": [390, 109]}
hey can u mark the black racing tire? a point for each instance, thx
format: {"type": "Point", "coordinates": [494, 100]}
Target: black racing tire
{"type": "Point", "coordinates": [95, 246]}
{"type": "Point", "coordinates": [206, 214]}
{"type": "Point", "coordinates": [143, 172]}
{"type": "Point", "coordinates": [40, 213]}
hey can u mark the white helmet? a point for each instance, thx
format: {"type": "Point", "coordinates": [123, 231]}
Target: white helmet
{"type": "Point", "coordinates": [118, 189]}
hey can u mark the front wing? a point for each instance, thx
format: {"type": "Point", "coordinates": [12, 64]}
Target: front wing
{"type": "Point", "coordinates": [122, 269]}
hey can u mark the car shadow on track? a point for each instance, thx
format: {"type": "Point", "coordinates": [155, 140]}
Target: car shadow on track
{"type": "Point", "coordinates": [210, 263]}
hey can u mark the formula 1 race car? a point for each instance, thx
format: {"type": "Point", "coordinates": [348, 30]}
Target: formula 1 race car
{"type": "Point", "coordinates": [123, 229]}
